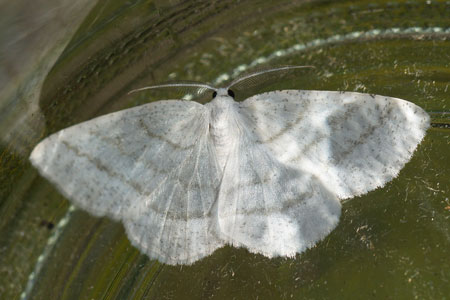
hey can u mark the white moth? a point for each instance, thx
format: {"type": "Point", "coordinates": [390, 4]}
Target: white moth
{"type": "Point", "coordinates": [267, 173]}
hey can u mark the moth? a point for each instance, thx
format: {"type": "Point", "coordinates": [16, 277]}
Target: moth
{"type": "Point", "coordinates": [268, 173]}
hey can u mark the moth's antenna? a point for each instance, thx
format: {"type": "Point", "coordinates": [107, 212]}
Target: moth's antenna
{"type": "Point", "coordinates": [258, 73]}
{"type": "Point", "coordinates": [200, 85]}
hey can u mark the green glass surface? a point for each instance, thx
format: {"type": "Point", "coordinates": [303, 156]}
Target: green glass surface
{"type": "Point", "coordinates": [392, 243]}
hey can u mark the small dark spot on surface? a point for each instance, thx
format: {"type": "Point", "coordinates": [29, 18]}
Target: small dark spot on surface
{"type": "Point", "coordinates": [47, 224]}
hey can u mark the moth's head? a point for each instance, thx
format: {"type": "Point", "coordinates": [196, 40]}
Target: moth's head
{"type": "Point", "coordinates": [223, 92]}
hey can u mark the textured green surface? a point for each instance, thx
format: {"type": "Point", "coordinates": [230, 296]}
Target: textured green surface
{"type": "Point", "coordinates": [392, 243]}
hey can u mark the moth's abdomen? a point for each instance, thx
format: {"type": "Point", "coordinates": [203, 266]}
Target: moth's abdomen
{"type": "Point", "coordinates": [222, 127]}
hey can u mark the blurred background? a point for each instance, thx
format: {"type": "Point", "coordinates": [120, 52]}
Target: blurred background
{"type": "Point", "coordinates": [63, 62]}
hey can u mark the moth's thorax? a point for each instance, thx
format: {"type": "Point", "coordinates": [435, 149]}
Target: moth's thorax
{"type": "Point", "coordinates": [222, 127]}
